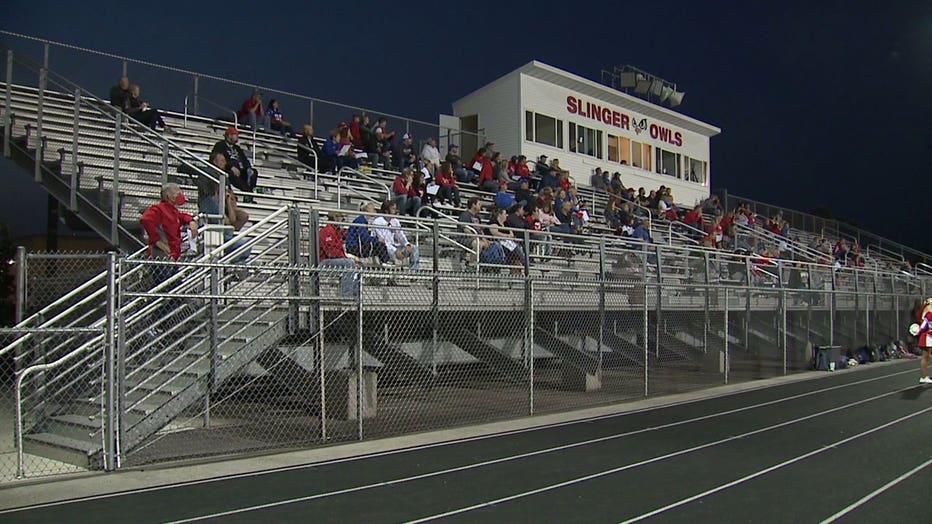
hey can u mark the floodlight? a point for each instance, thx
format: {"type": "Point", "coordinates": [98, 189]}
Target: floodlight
{"type": "Point", "coordinates": [676, 98]}
{"type": "Point", "coordinates": [642, 85]}
{"type": "Point", "coordinates": [665, 93]}
{"type": "Point", "coordinates": [628, 79]}
{"type": "Point", "coordinates": [656, 87]}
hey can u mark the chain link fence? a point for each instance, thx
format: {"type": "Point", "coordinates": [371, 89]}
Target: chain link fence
{"type": "Point", "coordinates": [152, 361]}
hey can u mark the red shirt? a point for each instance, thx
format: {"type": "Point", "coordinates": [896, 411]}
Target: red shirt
{"type": "Point", "coordinates": [398, 186]}
{"type": "Point", "coordinates": [331, 242]}
{"type": "Point", "coordinates": [163, 221]}
{"type": "Point", "coordinates": [444, 179]}
{"type": "Point", "coordinates": [694, 217]}
{"type": "Point", "coordinates": [247, 107]}
{"type": "Point", "coordinates": [522, 171]}
{"type": "Point", "coordinates": [487, 173]}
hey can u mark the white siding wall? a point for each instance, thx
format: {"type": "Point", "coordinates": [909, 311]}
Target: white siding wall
{"type": "Point", "coordinates": [499, 109]}
{"type": "Point", "coordinates": [549, 99]}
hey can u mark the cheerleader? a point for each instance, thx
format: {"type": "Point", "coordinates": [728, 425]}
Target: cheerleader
{"type": "Point", "coordinates": [923, 332]}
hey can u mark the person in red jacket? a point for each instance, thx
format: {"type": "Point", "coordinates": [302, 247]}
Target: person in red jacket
{"type": "Point", "coordinates": [447, 181]}
{"type": "Point", "coordinates": [482, 167]}
{"type": "Point", "coordinates": [333, 253]}
{"type": "Point", "coordinates": [164, 221]}
{"type": "Point", "coordinates": [253, 112]}
{"type": "Point", "coordinates": [405, 192]}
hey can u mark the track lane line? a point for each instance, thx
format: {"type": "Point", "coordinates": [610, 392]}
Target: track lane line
{"type": "Point", "coordinates": [501, 460]}
{"type": "Point", "coordinates": [773, 468]}
{"type": "Point", "coordinates": [878, 491]}
{"type": "Point", "coordinates": [211, 480]}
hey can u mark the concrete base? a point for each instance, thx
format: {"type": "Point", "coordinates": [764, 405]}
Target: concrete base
{"type": "Point", "coordinates": [342, 395]}
{"type": "Point", "coordinates": [576, 380]}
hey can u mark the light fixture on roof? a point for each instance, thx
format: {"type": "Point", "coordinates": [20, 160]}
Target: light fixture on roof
{"type": "Point", "coordinates": [676, 98]}
{"type": "Point", "coordinates": [642, 86]}
{"type": "Point", "coordinates": [647, 86]}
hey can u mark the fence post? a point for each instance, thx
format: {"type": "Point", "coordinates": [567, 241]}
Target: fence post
{"type": "Point", "coordinates": [164, 161]}
{"type": "Point", "coordinates": [725, 360]}
{"type": "Point", "coordinates": [110, 366]}
{"type": "Point", "coordinates": [784, 311]}
{"type": "Point", "coordinates": [601, 302]}
{"type": "Point", "coordinates": [121, 368]}
{"type": "Point", "coordinates": [8, 101]}
{"type": "Point", "coordinates": [360, 395]}
{"type": "Point", "coordinates": [20, 284]}
{"type": "Point", "coordinates": [196, 95]}
{"type": "Point", "coordinates": [40, 111]}
{"type": "Point", "coordinates": [115, 190]}
{"type": "Point", "coordinates": [644, 334]}
{"type": "Point", "coordinates": [530, 342]}
{"type": "Point", "coordinates": [73, 193]}
{"type": "Point", "coordinates": [294, 260]}
{"type": "Point", "coordinates": [435, 296]}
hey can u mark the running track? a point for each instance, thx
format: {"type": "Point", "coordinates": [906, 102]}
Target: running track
{"type": "Point", "coordinates": [852, 446]}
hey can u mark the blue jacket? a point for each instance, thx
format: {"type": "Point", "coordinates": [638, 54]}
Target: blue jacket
{"type": "Point", "coordinates": [360, 232]}
{"type": "Point", "coordinates": [504, 200]}
{"type": "Point", "coordinates": [641, 232]}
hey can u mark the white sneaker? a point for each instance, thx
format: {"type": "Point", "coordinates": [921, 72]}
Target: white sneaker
{"type": "Point", "coordinates": [925, 380]}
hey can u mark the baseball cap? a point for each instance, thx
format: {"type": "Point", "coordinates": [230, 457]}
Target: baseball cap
{"type": "Point", "coordinates": [343, 124]}
{"type": "Point", "coordinates": [231, 131]}
{"type": "Point", "coordinates": [407, 136]}
{"type": "Point", "coordinates": [452, 146]}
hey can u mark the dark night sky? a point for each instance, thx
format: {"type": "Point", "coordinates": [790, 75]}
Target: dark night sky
{"type": "Point", "coordinates": [821, 103]}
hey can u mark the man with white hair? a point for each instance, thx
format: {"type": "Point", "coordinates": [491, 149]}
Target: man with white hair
{"type": "Point", "coordinates": [396, 242]}
{"type": "Point", "coordinates": [164, 221]}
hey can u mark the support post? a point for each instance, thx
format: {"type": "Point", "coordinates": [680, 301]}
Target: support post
{"type": "Point", "coordinates": [115, 190]}
{"type": "Point", "coordinates": [8, 101]}
{"type": "Point", "coordinates": [73, 189]}
{"type": "Point", "coordinates": [530, 343]}
{"type": "Point", "coordinates": [360, 394]}
{"type": "Point", "coordinates": [20, 284]}
{"type": "Point", "coordinates": [725, 359]}
{"type": "Point", "coordinates": [196, 101]}
{"type": "Point", "coordinates": [110, 366]}
{"type": "Point", "coordinates": [40, 139]}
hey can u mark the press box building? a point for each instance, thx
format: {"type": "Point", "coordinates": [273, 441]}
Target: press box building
{"type": "Point", "coordinates": [538, 110]}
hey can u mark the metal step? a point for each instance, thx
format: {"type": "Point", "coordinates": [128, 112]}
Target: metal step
{"type": "Point", "coordinates": [79, 452]}
{"type": "Point", "coordinates": [79, 427]}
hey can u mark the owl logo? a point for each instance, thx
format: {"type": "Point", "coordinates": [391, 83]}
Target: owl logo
{"type": "Point", "coordinates": [639, 126]}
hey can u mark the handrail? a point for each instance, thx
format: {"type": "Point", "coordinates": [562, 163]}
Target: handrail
{"type": "Point", "coordinates": [372, 180]}
{"type": "Point", "coordinates": [353, 190]}
{"type": "Point", "coordinates": [211, 102]}
{"type": "Point", "coordinates": [248, 85]}
{"type": "Point", "coordinates": [314, 154]}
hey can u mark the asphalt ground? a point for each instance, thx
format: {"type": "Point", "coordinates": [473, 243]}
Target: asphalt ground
{"type": "Point", "coordinates": [853, 446]}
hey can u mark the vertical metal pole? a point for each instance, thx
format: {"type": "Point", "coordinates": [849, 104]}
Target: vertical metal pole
{"type": "Point", "coordinates": [725, 360]}
{"type": "Point", "coordinates": [435, 297]}
{"type": "Point", "coordinates": [110, 415]}
{"type": "Point", "coordinates": [530, 336]}
{"type": "Point", "coordinates": [213, 333]}
{"type": "Point", "coordinates": [320, 357]}
{"type": "Point", "coordinates": [657, 327]}
{"type": "Point", "coordinates": [896, 314]}
{"type": "Point", "coordinates": [310, 112]}
{"type": "Point", "coordinates": [45, 55]}
{"type": "Point", "coordinates": [121, 369]}
{"type": "Point", "coordinates": [196, 95]}
{"type": "Point", "coordinates": [73, 193]}
{"type": "Point", "coordinates": [164, 161]}
{"type": "Point", "coordinates": [645, 329]}
{"type": "Point", "coordinates": [40, 111]}
{"type": "Point", "coordinates": [115, 190]}
{"type": "Point", "coordinates": [125, 68]}
{"type": "Point", "coordinates": [784, 312]}
{"type": "Point", "coordinates": [360, 394]}
{"type": "Point", "coordinates": [294, 260]}
{"type": "Point", "coordinates": [601, 302]}
{"type": "Point", "coordinates": [20, 284]}
{"type": "Point", "coordinates": [7, 108]}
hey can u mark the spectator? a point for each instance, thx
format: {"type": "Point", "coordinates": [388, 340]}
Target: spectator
{"type": "Point", "coordinates": [453, 157]}
{"type": "Point", "coordinates": [120, 95]}
{"type": "Point", "coordinates": [502, 170]}
{"type": "Point", "coordinates": [478, 166]}
{"type": "Point", "coordinates": [419, 188]}
{"type": "Point", "coordinates": [393, 237]}
{"type": "Point", "coordinates": [142, 112]}
{"type": "Point", "coordinates": [333, 254]}
{"type": "Point", "coordinates": [308, 149]}
{"type": "Point", "coordinates": [642, 199]}
{"type": "Point", "coordinates": [694, 218]}
{"type": "Point", "coordinates": [360, 241]}
{"type": "Point", "coordinates": [611, 215]}
{"type": "Point", "coordinates": [430, 152]}
{"type": "Point", "coordinates": [383, 139]}
{"type": "Point", "coordinates": [253, 112]}
{"type": "Point", "coordinates": [487, 177]}
{"type": "Point", "coordinates": [524, 193]}
{"type": "Point", "coordinates": [513, 253]}
{"type": "Point", "coordinates": [209, 204]}
{"type": "Point", "coordinates": [164, 221]}
{"type": "Point", "coordinates": [337, 155]}
{"type": "Point", "coordinates": [515, 218]}
{"type": "Point", "coordinates": [448, 189]}
{"type": "Point", "coordinates": [403, 153]}
{"type": "Point", "coordinates": [355, 129]}
{"type": "Point", "coordinates": [242, 175]}
{"type": "Point", "coordinates": [541, 169]}
{"type": "Point", "coordinates": [407, 199]}
{"type": "Point", "coordinates": [642, 231]}
{"type": "Point", "coordinates": [504, 199]}
{"type": "Point", "coordinates": [597, 180]}
{"type": "Point", "coordinates": [616, 187]}
{"type": "Point", "coordinates": [566, 215]}
{"type": "Point", "coordinates": [368, 140]}
{"type": "Point", "coordinates": [522, 171]}
{"type": "Point", "coordinates": [277, 121]}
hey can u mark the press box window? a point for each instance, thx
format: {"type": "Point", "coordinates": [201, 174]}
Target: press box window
{"type": "Point", "coordinates": [543, 129]}
{"type": "Point", "coordinates": [668, 163]}
{"type": "Point", "coordinates": [585, 141]}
